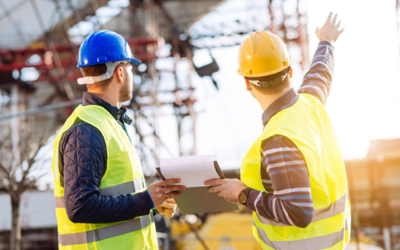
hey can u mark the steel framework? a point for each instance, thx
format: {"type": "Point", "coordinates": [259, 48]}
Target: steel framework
{"type": "Point", "coordinates": [147, 25]}
{"type": "Point", "coordinates": [152, 25]}
{"type": "Point", "coordinates": [288, 23]}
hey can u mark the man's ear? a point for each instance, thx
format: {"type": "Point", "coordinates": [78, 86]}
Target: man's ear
{"type": "Point", "coordinates": [291, 72]}
{"type": "Point", "coordinates": [119, 74]}
{"type": "Point", "coordinates": [248, 84]}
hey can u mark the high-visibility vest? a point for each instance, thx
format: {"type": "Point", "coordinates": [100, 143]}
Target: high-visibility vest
{"type": "Point", "coordinates": [124, 175]}
{"type": "Point", "coordinates": [307, 124]}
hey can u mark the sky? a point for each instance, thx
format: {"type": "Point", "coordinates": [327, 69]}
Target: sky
{"type": "Point", "coordinates": [363, 104]}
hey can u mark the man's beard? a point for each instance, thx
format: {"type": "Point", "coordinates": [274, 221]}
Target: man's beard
{"type": "Point", "coordinates": [125, 94]}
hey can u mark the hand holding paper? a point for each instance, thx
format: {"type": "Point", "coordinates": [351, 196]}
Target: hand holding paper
{"type": "Point", "coordinates": [227, 188]}
{"type": "Point", "coordinates": [161, 190]}
{"type": "Point", "coordinates": [193, 172]}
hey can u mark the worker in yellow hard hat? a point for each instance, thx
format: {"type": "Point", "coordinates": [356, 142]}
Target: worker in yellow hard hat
{"type": "Point", "coordinates": [293, 177]}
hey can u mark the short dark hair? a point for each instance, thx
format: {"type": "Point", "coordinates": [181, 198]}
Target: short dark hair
{"type": "Point", "coordinates": [96, 70]}
{"type": "Point", "coordinates": [273, 83]}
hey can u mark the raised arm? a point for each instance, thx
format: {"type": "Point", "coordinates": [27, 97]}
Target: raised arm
{"type": "Point", "coordinates": [318, 79]}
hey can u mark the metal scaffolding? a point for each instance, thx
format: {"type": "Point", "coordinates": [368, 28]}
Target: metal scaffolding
{"type": "Point", "coordinates": [288, 23]}
{"type": "Point", "coordinates": [147, 25]}
{"type": "Point", "coordinates": [46, 41]}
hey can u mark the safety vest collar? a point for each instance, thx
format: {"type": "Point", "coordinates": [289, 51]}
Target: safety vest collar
{"type": "Point", "coordinates": [117, 113]}
{"type": "Point", "coordinates": [279, 104]}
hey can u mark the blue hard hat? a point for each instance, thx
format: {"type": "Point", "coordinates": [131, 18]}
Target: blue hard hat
{"type": "Point", "coordinates": [104, 46]}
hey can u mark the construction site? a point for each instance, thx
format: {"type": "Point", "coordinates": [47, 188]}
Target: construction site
{"type": "Point", "coordinates": [178, 96]}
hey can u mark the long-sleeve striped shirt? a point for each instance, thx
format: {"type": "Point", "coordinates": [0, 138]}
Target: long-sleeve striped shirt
{"type": "Point", "coordinates": [284, 171]}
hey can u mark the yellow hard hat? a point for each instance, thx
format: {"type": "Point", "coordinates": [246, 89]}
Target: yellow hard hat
{"type": "Point", "coordinates": [262, 54]}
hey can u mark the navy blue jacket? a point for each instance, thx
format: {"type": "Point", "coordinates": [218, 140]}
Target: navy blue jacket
{"type": "Point", "coordinates": [83, 162]}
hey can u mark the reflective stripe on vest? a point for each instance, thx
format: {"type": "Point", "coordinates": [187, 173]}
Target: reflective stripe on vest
{"type": "Point", "coordinates": [105, 232]}
{"type": "Point", "coordinates": [315, 243]}
{"type": "Point", "coordinates": [334, 209]}
{"type": "Point", "coordinates": [124, 188]}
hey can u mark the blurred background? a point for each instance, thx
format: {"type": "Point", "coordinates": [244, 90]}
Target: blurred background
{"type": "Point", "coordinates": [189, 100]}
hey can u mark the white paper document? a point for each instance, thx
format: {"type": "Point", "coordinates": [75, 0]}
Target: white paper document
{"type": "Point", "coordinates": [192, 170]}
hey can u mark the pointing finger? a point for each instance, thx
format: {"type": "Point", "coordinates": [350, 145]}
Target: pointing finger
{"type": "Point", "coordinates": [334, 20]}
{"type": "Point", "coordinates": [328, 20]}
{"type": "Point", "coordinates": [339, 23]}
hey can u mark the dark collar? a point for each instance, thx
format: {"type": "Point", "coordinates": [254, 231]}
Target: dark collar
{"type": "Point", "coordinates": [279, 104]}
{"type": "Point", "coordinates": [117, 113]}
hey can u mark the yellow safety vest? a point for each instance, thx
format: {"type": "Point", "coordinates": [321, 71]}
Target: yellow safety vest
{"type": "Point", "coordinates": [123, 176]}
{"type": "Point", "coordinates": [307, 124]}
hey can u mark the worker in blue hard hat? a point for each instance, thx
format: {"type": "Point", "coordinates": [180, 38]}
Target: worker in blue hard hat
{"type": "Point", "coordinates": [102, 201]}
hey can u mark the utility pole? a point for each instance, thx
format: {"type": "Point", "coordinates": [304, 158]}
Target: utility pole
{"type": "Point", "coordinates": [16, 219]}
{"type": "Point", "coordinates": [14, 124]}
{"type": "Point", "coordinates": [191, 100]}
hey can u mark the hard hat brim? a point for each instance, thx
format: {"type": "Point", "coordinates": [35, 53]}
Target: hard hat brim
{"type": "Point", "coordinates": [135, 61]}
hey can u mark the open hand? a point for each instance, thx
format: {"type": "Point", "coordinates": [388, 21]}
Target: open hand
{"type": "Point", "coordinates": [330, 31]}
{"type": "Point", "coordinates": [167, 208]}
{"type": "Point", "coordinates": [161, 190]}
{"type": "Point", "coordinates": [227, 188]}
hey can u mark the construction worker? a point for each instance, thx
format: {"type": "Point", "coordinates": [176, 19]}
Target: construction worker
{"type": "Point", "coordinates": [293, 177]}
{"type": "Point", "coordinates": [101, 197]}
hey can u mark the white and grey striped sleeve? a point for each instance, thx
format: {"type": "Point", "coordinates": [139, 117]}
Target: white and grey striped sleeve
{"type": "Point", "coordinates": [318, 80]}
{"type": "Point", "coordinates": [285, 177]}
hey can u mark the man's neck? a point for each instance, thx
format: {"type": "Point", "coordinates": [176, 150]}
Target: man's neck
{"type": "Point", "coordinates": [110, 96]}
{"type": "Point", "coordinates": [266, 100]}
